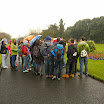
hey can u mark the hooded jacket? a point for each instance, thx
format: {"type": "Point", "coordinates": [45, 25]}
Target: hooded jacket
{"type": "Point", "coordinates": [83, 45]}
{"type": "Point", "coordinates": [3, 48]}
{"type": "Point", "coordinates": [13, 48]}
{"type": "Point", "coordinates": [55, 49]}
{"type": "Point", "coordinates": [9, 47]}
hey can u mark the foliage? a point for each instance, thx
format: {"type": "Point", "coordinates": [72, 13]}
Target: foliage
{"type": "Point", "coordinates": [5, 35]}
{"type": "Point", "coordinates": [91, 45]}
{"type": "Point", "coordinates": [91, 29]}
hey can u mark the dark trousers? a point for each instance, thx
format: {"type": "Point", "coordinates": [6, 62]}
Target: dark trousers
{"type": "Point", "coordinates": [11, 61]}
{"type": "Point", "coordinates": [70, 63]}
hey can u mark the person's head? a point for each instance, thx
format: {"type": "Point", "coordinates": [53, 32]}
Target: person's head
{"type": "Point", "coordinates": [3, 42]}
{"type": "Point", "coordinates": [19, 42]}
{"type": "Point", "coordinates": [75, 41]}
{"type": "Point", "coordinates": [25, 43]}
{"type": "Point", "coordinates": [10, 41]}
{"type": "Point", "coordinates": [72, 40]}
{"type": "Point", "coordinates": [69, 40]}
{"type": "Point", "coordinates": [82, 38]}
{"type": "Point", "coordinates": [62, 42]}
{"type": "Point", "coordinates": [58, 39]}
{"type": "Point", "coordinates": [48, 38]}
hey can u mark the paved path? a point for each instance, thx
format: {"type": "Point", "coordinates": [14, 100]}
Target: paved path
{"type": "Point", "coordinates": [27, 88]}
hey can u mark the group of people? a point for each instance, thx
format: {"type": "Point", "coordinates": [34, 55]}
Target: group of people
{"type": "Point", "coordinates": [48, 52]}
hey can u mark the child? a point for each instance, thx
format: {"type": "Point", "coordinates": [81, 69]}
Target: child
{"type": "Point", "coordinates": [58, 53]}
{"type": "Point", "coordinates": [25, 56]}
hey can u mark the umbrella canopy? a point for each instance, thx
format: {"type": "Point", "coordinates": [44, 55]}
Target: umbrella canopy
{"type": "Point", "coordinates": [29, 37]}
{"type": "Point", "coordinates": [34, 39]}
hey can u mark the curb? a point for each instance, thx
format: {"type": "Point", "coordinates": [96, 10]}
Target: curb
{"type": "Point", "coordinates": [94, 77]}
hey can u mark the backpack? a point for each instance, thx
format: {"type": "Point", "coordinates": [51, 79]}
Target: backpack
{"type": "Point", "coordinates": [46, 50]}
{"type": "Point", "coordinates": [73, 51]}
{"type": "Point", "coordinates": [59, 54]}
{"type": "Point", "coordinates": [83, 53]}
{"type": "Point", "coordinates": [36, 52]}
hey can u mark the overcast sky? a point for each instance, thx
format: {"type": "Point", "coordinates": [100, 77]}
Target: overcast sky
{"type": "Point", "coordinates": [18, 16]}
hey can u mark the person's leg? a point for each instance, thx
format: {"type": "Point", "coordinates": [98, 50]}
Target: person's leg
{"type": "Point", "coordinates": [60, 69]}
{"type": "Point", "coordinates": [50, 68]}
{"type": "Point", "coordinates": [13, 61]}
{"type": "Point", "coordinates": [24, 63]}
{"type": "Point", "coordinates": [28, 63]}
{"type": "Point", "coordinates": [81, 60]}
{"type": "Point", "coordinates": [3, 60]}
{"type": "Point", "coordinates": [46, 67]}
{"type": "Point", "coordinates": [86, 65]}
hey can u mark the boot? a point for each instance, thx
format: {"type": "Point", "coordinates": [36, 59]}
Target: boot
{"type": "Point", "coordinates": [64, 76]}
{"type": "Point", "coordinates": [50, 76]}
{"type": "Point", "coordinates": [72, 75]}
{"type": "Point", "coordinates": [67, 76]}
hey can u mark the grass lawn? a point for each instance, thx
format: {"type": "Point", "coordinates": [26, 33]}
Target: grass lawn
{"type": "Point", "coordinates": [95, 67]}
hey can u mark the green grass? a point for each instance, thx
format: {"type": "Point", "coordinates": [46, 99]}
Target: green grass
{"type": "Point", "coordinates": [95, 67]}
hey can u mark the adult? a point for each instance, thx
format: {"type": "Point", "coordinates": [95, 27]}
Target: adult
{"type": "Point", "coordinates": [13, 52]}
{"type": "Point", "coordinates": [3, 53]}
{"type": "Point", "coordinates": [83, 51]}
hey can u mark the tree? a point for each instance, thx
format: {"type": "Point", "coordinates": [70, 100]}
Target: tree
{"type": "Point", "coordinates": [61, 28]}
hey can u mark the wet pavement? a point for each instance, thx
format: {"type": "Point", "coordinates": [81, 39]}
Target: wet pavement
{"type": "Point", "coordinates": [27, 88]}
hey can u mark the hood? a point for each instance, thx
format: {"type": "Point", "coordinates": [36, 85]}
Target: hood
{"type": "Point", "coordinates": [10, 41]}
{"type": "Point", "coordinates": [13, 40]}
{"type": "Point", "coordinates": [82, 43]}
{"type": "Point", "coordinates": [59, 46]}
{"type": "Point", "coordinates": [48, 38]}
{"type": "Point", "coordinates": [25, 42]}
{"type": "Point", "coordinates": [58, 39]}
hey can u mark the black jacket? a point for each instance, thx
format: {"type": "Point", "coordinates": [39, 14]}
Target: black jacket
{"type": "Point", "coordinates": [3, 49]}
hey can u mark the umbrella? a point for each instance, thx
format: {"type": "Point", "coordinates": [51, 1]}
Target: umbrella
{"type": "Point", "coordinates": [34, 39]}
{"type": "Point", "coordinates": [29, 37]}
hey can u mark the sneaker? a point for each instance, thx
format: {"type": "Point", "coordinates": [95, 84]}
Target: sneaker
{"type": "Point", "coordinates": [54, 77]}
{"type": "Point", "coordinates": [5, 67]}
{"type": "Point", "coordinates": [58, 79]}
{"type": "Point", "coordinates": [25, 71]}
{"type": "Point", "coordinates": [47, 76]}
{"type": "Point", "coordinates": [86, 74]}
{"type": "Point", "coordinates": [80, 75]}
{"type": "Point", "coordinates": [29, 69]}
{"type": "Point", "coordinates": [15, 64]}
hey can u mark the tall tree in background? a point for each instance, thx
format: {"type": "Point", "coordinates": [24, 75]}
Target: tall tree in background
{"type": "Point", "coordinates": [61, 28]}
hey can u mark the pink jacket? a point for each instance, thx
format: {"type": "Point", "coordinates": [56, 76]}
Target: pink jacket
{"type": "Point", "coordinates": [9, 47]}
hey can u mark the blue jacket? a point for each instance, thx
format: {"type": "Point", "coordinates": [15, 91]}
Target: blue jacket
{"type": "Point", "coordinates": [54, 51]}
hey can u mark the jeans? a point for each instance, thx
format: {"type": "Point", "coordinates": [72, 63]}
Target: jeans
{"type": "Point", "coordinates": [25, 63]}
{"type": "Point", "coordinates": [58, 63]}
{"type": "Point", "coordinates": [82, 61]}
{"type": "Point", "coordinates": [38, 66]}
{"type": "Point", "coordinates": [13, 60]}
{"type": "Point", "coordinates": [3, 60]}
{"type": "Point", "coordinates": [48, 66]}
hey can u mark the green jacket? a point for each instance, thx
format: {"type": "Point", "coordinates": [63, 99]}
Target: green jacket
{"type": "Point", "coordinates": [83, 45]}
{"type": "Point", "coordinates": [13, 48]}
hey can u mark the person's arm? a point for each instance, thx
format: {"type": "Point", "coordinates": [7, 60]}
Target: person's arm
{"type": "Point", "coordinates": [14, 48]}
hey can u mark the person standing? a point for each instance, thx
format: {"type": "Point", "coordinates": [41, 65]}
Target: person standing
{"type": "Point", "coordinates": [83, 51]}
{"type": "Point", "coordinates": [3, 53]}
{"type": "Point", "coordinates": [13, 52]}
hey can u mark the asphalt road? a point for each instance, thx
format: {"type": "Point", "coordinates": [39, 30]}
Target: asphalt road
{"type": "Point", "coordinates": [27, 88]}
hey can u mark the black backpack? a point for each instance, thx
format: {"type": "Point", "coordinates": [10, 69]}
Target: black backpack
{"type": "Point", "coordinates": [46, 50]}
{"type": "Point", "coordinates": [59, 54]}
{"type": "Point", "coordinates": [36, 52]}
{"type": "Point", "coordinates": [73, 51]}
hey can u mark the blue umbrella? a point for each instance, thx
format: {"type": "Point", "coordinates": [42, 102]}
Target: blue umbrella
{"type": "Point", "coordinates": [34, 39]}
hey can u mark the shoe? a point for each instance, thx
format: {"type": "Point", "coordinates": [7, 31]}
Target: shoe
{"type": "Point", "coordinates": [15, 64]}
{"type": "Point", "coordinates": [5, 67]}
{"type": "Point", "coordinates": [86, 74]}
{"type": "Point", "coordinates": [67, 76]}
{"type": "Point", "coordinates": [50, 76]}
{"type": "Point", "coordinates": [72, 75]}
{"type": "Point", "coordinates": [54, 77]}
{"type": "Point", "coordinates": [25, 71]}
{"type": "Point", "coordinates": [80, 75]}
{"type": "Point", "coordinates": [58, 79]}
{"type": "Point", "coordinates": [47, 76]}
{"type": "Point", "coordinates": [29, 69]}
{"type": "Point", "coordinates": [64, 76]}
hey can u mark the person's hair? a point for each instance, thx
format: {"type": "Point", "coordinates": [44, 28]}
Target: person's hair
{"type": "Point", "coordinates": [72, 40]}
{"type": "Point", "coordinates": [2, 42]}
{"type": "Point", "coordinates": [62, 42]}
{"type": "Point", "coordinates": [83, 38]}
{"type": "Point", "coordinates": [19, 42]}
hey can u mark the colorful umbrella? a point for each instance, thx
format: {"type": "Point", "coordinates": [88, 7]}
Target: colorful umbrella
{"type": "Point", "coordinates": [29, 37]}
{"type": "Point", "coordinates": [34, 39]}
